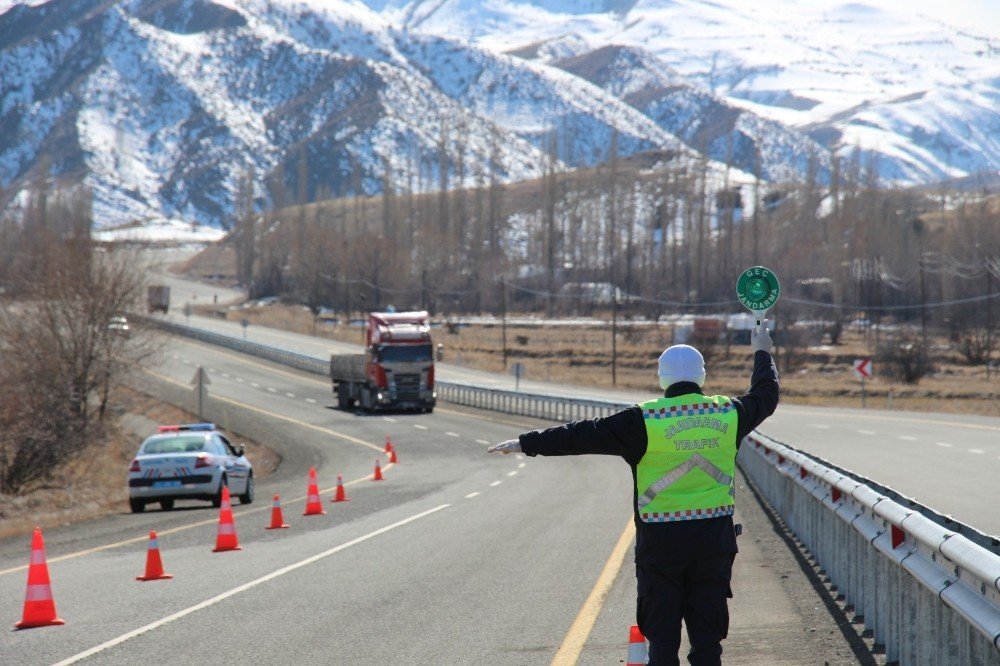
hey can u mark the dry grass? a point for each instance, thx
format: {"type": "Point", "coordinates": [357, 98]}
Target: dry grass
{"type": "Point", "coordinates": [582, 356]}
{"type": "Point", "coordinates": [93, 485]}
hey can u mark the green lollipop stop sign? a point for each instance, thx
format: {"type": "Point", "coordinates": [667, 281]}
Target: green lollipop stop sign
{"type": "Point", "coordinates": [758, 289]}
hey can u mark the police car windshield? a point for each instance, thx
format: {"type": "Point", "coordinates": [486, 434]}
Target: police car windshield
{"type": "Point", "coordinates": [175, 444]}
{"type": "Point", "coordinates": [404, 353]}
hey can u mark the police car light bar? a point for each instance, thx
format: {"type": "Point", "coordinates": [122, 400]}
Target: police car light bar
{"type": "Point", "coordinates": [186, 426]}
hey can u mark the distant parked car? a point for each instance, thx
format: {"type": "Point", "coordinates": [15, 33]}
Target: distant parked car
{"type": "Point", "coordinates": [192, 461]}
{"type": "Point", "coordinates": [119, 326]}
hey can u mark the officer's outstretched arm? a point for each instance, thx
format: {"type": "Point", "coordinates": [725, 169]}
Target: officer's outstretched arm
{"type": "Point", "coordinates": [506, 446]}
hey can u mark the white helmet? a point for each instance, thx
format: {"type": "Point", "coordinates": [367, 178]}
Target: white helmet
{"type": "Point", "coordinates": [681, 363]}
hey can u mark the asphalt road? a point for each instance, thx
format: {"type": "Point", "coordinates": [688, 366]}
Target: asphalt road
{"type": "Point", "coordinates": [456, 557]}
{"type": "Point", "coordinates": [946, 461]}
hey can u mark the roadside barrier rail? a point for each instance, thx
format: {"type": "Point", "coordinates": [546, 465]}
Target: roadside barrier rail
{"type": "Point", "coordinates": [928, 594]}
{"type": "Point", "coordinates": [927, 586]}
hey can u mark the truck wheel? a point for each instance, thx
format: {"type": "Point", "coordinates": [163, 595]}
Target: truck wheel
{"type": "Point", "coordinates": [167, 504]}
{"type": "Point", "coordinates": [137, 505]}
{"type": "Point", "coordinates": [343, 402]}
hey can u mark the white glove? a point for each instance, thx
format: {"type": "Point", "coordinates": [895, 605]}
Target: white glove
{"type": "Point", "coordinates": [761, 341]}
{"type": "Point", "coordinates": [506, 446]}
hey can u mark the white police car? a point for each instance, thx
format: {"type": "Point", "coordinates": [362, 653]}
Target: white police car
{"type": "Point", "coordinates": [192, 461]}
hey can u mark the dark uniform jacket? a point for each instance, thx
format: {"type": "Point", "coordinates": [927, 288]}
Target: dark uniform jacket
{"type": "Point", "coordinates": [624, 434]}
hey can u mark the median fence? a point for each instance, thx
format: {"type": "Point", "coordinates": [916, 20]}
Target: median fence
{"type": "Point", "coordinates": [926, 586]}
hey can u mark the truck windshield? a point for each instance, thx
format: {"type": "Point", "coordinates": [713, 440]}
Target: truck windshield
{"type": "Point", "coordinates": [403, 353]}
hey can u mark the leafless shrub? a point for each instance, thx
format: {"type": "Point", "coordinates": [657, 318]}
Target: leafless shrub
{"type": "Point", "coordinates": [905, 358]}
{"type": "Point", "coordinates": [62, 352]}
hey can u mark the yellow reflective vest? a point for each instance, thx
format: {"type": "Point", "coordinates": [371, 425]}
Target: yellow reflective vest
{"type": "Point", "coordinates": [690, 461]}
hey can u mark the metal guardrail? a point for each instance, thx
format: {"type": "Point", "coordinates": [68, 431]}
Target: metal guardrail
{"type": "Point", "coordinates": [555, 408]}
{"type": "Point", "coordinates": [929, 594]}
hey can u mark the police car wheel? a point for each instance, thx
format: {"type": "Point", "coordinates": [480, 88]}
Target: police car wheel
{"type": "Point", "coordinates": [137, 505]}
{"type": "Point", "coordinates": [217, 498]}
{"type": "Point", "coordinates": [167, 504]}
{"type": "Point", "coordinates": [247, 496]}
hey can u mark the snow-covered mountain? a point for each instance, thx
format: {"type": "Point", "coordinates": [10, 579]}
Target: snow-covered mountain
{"type": "Point", "coordinates": [914, 84]}
{"type": "Point", "coordinates": [163, 107]}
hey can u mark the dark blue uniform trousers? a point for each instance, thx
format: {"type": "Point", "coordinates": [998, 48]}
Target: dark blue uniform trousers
{"type": "Point", "coordinates": [696, 591]}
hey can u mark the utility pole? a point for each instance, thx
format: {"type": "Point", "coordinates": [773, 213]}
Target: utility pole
{"type": "Point", "coordinates": [614, 336]}
{"type": "Point", "coordinates": [503, 320]}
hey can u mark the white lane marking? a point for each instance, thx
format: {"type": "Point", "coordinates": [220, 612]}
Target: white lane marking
{"type": "Point", "coordinates": [389, 419]}
{"type": "Point", "coordinates": [514, 473]}
{"type": "Point", "coordinates": [471, 495]}
{"type": "Point", "coordinates": [908, 438]}
{"type": "Point", "coordinates": [419, 427]}
{"type": "Point", "coordinates": [226, 375]}
{"type": "Point", "coordinates": [239, 379]}
{"type": "Point", "coordinates": [452, 434]}
{"type": "Point", "coordinates": [272, 389]}
{"type": "Point", "coordinates": [243, 588]}
{"type": "Point", "coordinates": [976, 451]}
{"type": "Point", "coordinates": [495, 484]}
{"type": "Point", "coordinates": [311, 400]}
{"type": "Point", "coordinates": [867, 432]}
{"type": "Point", "coordinates": [482, 441]}
{"type": "Point", "coordinates": [820, 426]}
{"type": "Point", "coordinates": [290, 395]}
{"type": "Point", "coordinates": [523, 465]}
{"type": "Point", "coordinates": [255, 384]}
{"type": "Point", "coordinates": [944, 444]}
{"type": "Point", "coordinates": [519, 456]}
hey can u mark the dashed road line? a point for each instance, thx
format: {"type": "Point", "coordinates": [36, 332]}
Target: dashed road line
{"type": "Point", "coordinates": [471, 495]}
{"type": "Point", "coordinates": [976, 451]}
{"type": "Point", "coordinates": [255, 384]}
{"type": "Point", "coordinates": [819, 426]}
{"type": "Point", "coordinates": [290, 395]}
{"type": "Point", "coordinates": [452, 434]}
{"type": "Point", "coordinates": [495, 484]}
{"type": "Point", "coordinates": [482, 441]}
{"type": "Point", "coordinates": [419, 427]}
{"type": "Point", "coordinates": [389, 419]}
{"type": "Point", "coordinates": [514, 473]}
{"type": "Point", "coordinates": [272, 389]}
{"type": "Point", "coordinates": [867, 432]}
{"type": "Point", "coordinates": [239, 379]}
{"type": "Point", "coordinates": [522, 465]}
{"type": "Point", "coordinates": [311, 400]}
{"type": "Point", "coordinates": [908, 438]}
{"type": "Point", "coordinates": [246, 586]}
{"type": "Point", "coordinates": [944, 444]}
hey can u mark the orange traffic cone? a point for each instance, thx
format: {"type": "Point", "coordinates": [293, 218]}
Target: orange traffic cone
{"type": "Point", "coordinates": [341, 496]}
{"type": "Point", "coordinates": [388, 444]}
{"type": "Point", "coordinates": [39, 606]}
{"type": "Point", "coordinates": [314, 507]}
{"type": "Point", "coordinates": [392, 456]}
{"type": "Point", "coordinates": [226, 538]}
{"type": "Point", "coordinates": [378, 471]}
{"type": "Point", "coordinates": [277, 520]}
{"type": "Point", "coordinates": [636, 647]}
{"type": "Point", "coordinates": [154, 566]}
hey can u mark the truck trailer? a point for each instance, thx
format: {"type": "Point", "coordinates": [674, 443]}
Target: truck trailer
{"type": "Point", "coordinates": [158, 298]}
{"type": "Point", "coordinates": [396, 370]}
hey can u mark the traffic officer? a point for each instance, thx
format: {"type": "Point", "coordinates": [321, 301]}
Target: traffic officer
{"type": "Point", "coordinates": [682, 451]}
